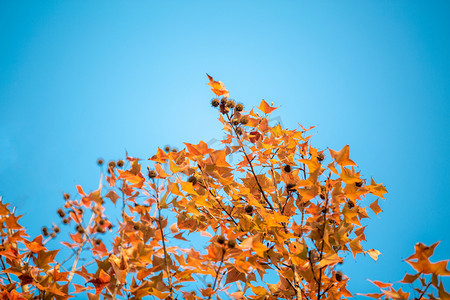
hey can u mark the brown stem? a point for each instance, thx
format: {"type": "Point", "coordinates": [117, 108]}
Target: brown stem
{"type": "Point", "coordinates": [322, 246]}
{"type": "Point", "coordinates": [424, 291]}
{"type": "Point", "coordinates": [250, 164]}
{"type": "Point", "coordinates": [4, 267]}
{"type": "Point", "coordinates": [169, 275]}
{"type": "Point", "coordinates": [218, 272]}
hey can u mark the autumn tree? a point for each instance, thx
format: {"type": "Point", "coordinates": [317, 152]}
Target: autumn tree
{"type": "Point", "coordinates": [193, 225]}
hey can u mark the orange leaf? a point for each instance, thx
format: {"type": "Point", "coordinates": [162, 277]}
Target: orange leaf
{"type": "Point", "coordinates": [217, 87]}
{"type": "Point", "coordinates": [373, 253]}
{"type": "Point", "coordinates": [266, 108]}
{"type": "Point", "coordinates": [342, 157]}
{"type": "Point", "coordinates": [375, 207]}
{"type": "Point", "coordinates": [380, 284]}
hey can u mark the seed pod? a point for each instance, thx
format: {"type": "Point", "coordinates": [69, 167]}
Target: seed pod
{"type": "Point", "coordinates": [239, 131]}
{"type": "Point", "coordinates": [100, 229]}
{"type": "Point", "coordinates": [221, 239]}
{"type": "Point", "coordinates": [167, 148]}
{"type": "Point", "coordinates": [338, 276]}
{"type": "Point", "coordinates": [359, 184]}
{"type": "Point", "coordinates": [290, 187]}
{"type": "Point", "coordinates": [223, 101]}
{"type": "Point", "coordinates": [192, 179]}
{"type": "Point", "coordinates": [320, 157]}
{"type": "Point", "coordinates": [136, 226]}
{"type": "Point", "coordinates": [45, 231]}
{"type": "Point", "coordinates": [61, 212]}
{"type": "Point", "coordinates": [231, 244]}
{"type": "Point", "coordinates": [80, 229]}
{"type": "Point", "coordinates": [230, 103]}
{"type": "Point", "coordinates": [66, 196]}
{"type": "Point", "coordinates": [239, 107]}
{"type": "Point", "coordinates": [100, 161]}
{"type": "Point", "coordinates": [112, 164]}
{"type": "Point", "coordinates": [249, 209]}
{"type": "Point", "coordinates": [215, 102]}
{"type": "Point", "coordinates": [287, 168]}
{"type": "Point", "coordinates": [53, 234]}
{"type": "Point", "coordinates": [243, 120]}
{"type": "Point", "coordinates": [235, 121]}
{"type": "Point", "coordinates": [350, 204]}
{"type": "Point", "coordinates": [151, 174]}
{"type": "Point", "coordinates": [56, 229]}
{"type": "Point", "coordinates": [101, 222]}
{"type": "Point", "coordinates": [66, 221]}
{"type": "Point", "coordinates": [98, 241]}
{"type": "Point", "coordinates": [120, 163]}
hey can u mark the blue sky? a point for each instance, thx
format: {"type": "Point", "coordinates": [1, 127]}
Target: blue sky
{"type": "Point", "coordinates": [82, 80]}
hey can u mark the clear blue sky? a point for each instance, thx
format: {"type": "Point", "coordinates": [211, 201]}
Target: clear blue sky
{"type": "Point", "coordinates": [81, 80]}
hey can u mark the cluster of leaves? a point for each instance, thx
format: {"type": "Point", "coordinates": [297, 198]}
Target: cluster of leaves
{"type": "Point", "coordinates": [285, 212]}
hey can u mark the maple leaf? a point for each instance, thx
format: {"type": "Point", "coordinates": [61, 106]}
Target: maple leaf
{"type": "Point", "coordinates": [266, 108]}
{"type": "Point", "coordinates": [342, 157]}
{"type": "Point", "coordinates": [217, 87]}
{"type": "Point", "coordinates": [100, 282]}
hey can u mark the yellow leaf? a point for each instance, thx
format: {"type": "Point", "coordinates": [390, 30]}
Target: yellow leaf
{"type": "Point", "coordinates": [342, 157]}
{"type": "Point", "coordinates": [217, 87]}
{"type": "Point", "coordinates": [266, 108]}
{"type": "Point", "coordinates": [375, 207]}
{"type": "Point", "coordinates": [373, 253]}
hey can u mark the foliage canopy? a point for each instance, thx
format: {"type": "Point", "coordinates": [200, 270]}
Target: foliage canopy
{"type": "Point", "coordinates": [273, 208]}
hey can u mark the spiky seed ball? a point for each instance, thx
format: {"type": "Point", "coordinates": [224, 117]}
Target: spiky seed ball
{"type": "Point", "coordinates": [290, 187]}
{"type": "Point", "coordinates": [239, 131]}
{"type": "Point", "coordinates": [53, 234]}
{"type": "Point", "coordinates": [322, 196]}
{"type": "Point", "coordinates": [151, 174]}
{"type": "Point", "coordinates": [320, 157]}
{"type": "Point", "coordinates": [120, 163]}
{"type": "Point", "coordinates": [66, 221]}
{"type": "Point", "coordinates": [221, 239]}
{"type": "Point", "coordinates": [235, 121]}
{"type": "Point", "coordinates": [239, 107]}
{"type": "Point", "coordinates": [243, 120]}
{"type": "Point", "coordinates": [249, 209]}
{"type": "Point", "coordinates": [231, 244]}
{"type": "Point", "coordinates": [98, 241]}
{"type": "Point", "coordinates": [45, 231]}
{"type": "Point", "coordinates": [100, 161]}
{"type": "Point", "coordinates": [66, 196]}
{"type": "Point", "coordinates": [223, 101]}
{"type": "Point", "coordinates": [230, 103]}
{"type": "Point", "coordinates": [80, 229]}
{"type": "Point", "coordinates": [209, 285]}
{"type": "Point", "coordinates": [136, 226]}
{"type": "Point", "coordinates": [101, 222]}
{"type": "Point", "coordinates": [223, 109]}
{"type": "Point", "coordinates": [100, 229]}
{"type": "Point", "coordinates": [167, 148]}
{"type": "Point", "coordinates": [359, 184]}
{"type": "Point", "coordinates": [174, 150]}
{"type": "Point", "coordinates": [192, 179]}
{"type": "Point", "coordinates": [112, 164]}
{"type": "Point", "coordinates": [56, 229]}
{"type": "Point", "coordinates": [350, 204]}
{"type": "Point", "coordinates": [61, 212]}
{"type": "Point", "coordinates": [287, 168]}
{"type": "Point", "coordinates": [339, 276]}
{"type": "Point", "coordinates": [215, 102]}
